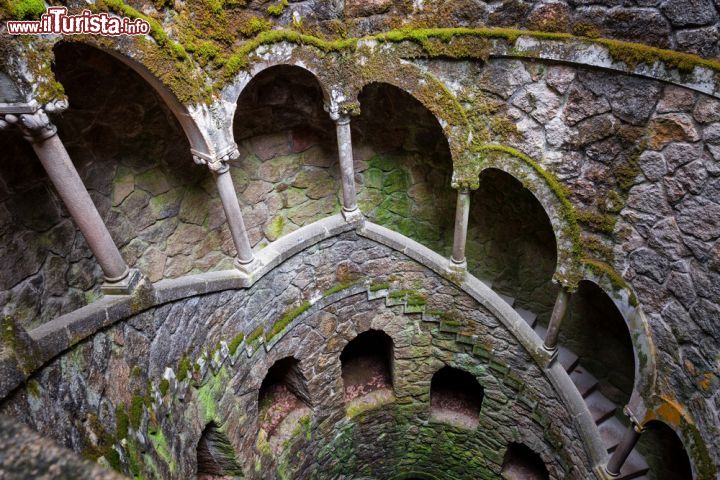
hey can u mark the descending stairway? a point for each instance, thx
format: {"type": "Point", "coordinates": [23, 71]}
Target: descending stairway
{"type": "Point", "coordinates": [601, 408]}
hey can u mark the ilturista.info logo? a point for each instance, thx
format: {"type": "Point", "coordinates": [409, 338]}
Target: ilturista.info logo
{"type": "Point", "coordinates": [56, 20]}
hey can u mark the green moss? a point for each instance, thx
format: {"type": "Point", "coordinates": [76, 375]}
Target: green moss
{"type": "Point", "coordinates": [113, 459]}
{"type": "Point", "coordinates": [235, 343]}
{"type": "Point", "coordinates": [164, 386]}
{"type": "Point", "coordinates": [375, 287]}
{"type": "Point", "coordinates": [33, 388]}
{"type": "Point", "coordinates": [159, 442]}
{"type": "Point", "coordinates": [503, 127]}
{"type": "Point", "coordinates": [184, 368]}
{"type": "Point", "coordinates": [122, 421]}
{"type": "Point", "coordinates": [618, 283]}
{"type": "Point", "coordinates": [255, 335]}
{"type": "Point", "coordinates": [698, 451]}
{"type": "Point", "coordinates": [26, 9]}
{"type": "Point", "coordinates": [416, 299]}
{"type": "Point", "coordinates": [277, 9]}
{"type": "Point", "coordinates": [137, 406]}
{"type": "Point", "coordinates": [136, 372]}
{"type": "Point", "coordinates": [586, 29]}
{"type": "Point", "coordinates": [286, 318]}
{"type": "Point", "coordinates": [602, 223]}
{"type": "Point", "coordinates": [254, 25]}
{"type": "Point", "coordinates": [340, 287]}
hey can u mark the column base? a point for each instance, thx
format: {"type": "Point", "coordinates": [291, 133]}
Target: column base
{"type": "Point", "coordinates": [126, 286]}
{"type": "Point", "coordinates": [548, 355]}
{"type": "Point", "coordinates": [353, 216]}
{"type": "Point", "coordinates": [247, 267]}
{"type": "Point", "coordinates": [602, 473]}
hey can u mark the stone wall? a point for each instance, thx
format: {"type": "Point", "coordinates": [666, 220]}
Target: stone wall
{"type": "Point", "coordinates": [157, 378]}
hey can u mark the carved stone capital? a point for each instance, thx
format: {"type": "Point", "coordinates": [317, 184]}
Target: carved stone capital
{"type": "Point", "coordinates": [35, 127]}
{"type": "Point", "coordinates": [337, 114]}
{"type": "Point", "coordinates": [218, 163]}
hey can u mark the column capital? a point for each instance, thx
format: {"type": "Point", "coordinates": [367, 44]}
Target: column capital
{"type": "Point", "coordinates": [217, 163]}
{"type": "Point", "coordinates": [35, 127]}
{"type": "Point", "coordinates": [337, 113]}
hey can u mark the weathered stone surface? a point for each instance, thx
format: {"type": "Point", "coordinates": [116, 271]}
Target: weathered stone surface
{"type": "Point", "coordinates": [688, 13]}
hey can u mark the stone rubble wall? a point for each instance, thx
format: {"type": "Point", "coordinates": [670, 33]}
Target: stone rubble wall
{"type": "Point", "coordinates": [118, 379]}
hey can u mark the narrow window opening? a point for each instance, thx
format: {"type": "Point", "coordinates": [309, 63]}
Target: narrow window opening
{"type": "Point", "coordinates": [521, 463]}
{"type": "Point", "coordinates": [367, 364]}
{"type": "Point", "coordinates": [455, 397]}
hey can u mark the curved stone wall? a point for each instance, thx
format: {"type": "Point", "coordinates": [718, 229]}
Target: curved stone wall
{"type": "Point", "coordinates": [156, 378]}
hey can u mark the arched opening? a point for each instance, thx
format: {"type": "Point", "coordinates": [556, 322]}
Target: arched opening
{"type": "Point", "coordinates": [456, 397]}
{"type": "Point", "coordinates": [521, 463]}
{"type": "Point", "coordinates": [664, 453]}
{"type": "Point", "coordinates": [367, 365]}
{"type": "Point", "coordinates": [287, 175]}
{"type": "Point", "coordinates": [511, 243]}
{"type": "Point", "coordinates": [135, 161]}
{"type": "Point", "coordinates": [216, 456]}
{"type": "Point", "coordinates": [405, 167]}
{"type": "Point", "coordinates": [283, 401]}
{"type": "Point", "coordinates": [596, 331]}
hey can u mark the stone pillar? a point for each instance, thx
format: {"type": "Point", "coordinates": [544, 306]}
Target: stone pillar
{"type": "Point", "coordinates": [42, 135]}
{"type": "Point", "coordinates": [347, 167]}
{"type": "Point", "coordinates": [231, 206]}
{"type": "Point", "coordinates": [621, 453]}
{"type": "Point", "coordinates": [558, 315]}
{"type": "Point", "coordinates": [462, 213]}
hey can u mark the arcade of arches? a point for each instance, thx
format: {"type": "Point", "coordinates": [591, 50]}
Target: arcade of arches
{"type": "Point", "coordinates": [400, 259]}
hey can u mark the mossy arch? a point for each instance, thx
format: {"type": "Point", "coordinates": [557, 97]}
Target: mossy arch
{"type": "Point", "coordinates": [244, 78]}
{"type": "Point", "coordinates": [672, 414]}
{"type": "Point", "coordinates": [607, 279]}
{"type": "Point", "coordinates": [196, 137]}
{"type": "Point", "coordinates": [425, 88]}
{"type": "Point", "coordinates": [551, 195]}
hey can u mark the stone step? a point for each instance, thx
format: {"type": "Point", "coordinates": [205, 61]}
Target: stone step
{"type": "Point", "coordinates": [583, 380]}
{"type": "Point", "coordinates": [529, 317]}
{"type": "Point", "coordinates": [507, 298]}
{"type": "Point", "coordinates": [635, 466]}
{"type": "Point", "coordinates": [488, 283]}
{"type": "Point", "coordinates": [600, 407]}
{"type": "Point", "coordinates": [611, 432]}
{"type": "Point", "coordinates": [567, 359]}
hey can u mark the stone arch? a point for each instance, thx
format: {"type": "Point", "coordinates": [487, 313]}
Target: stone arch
{"type": "Point", "coordinates": [196, 137]}
{"type": "Point", "coordinates": [597, 331]}
{"type": "Point", "coordinates": [244, 78]}
{"type": "Point", "coordinates": [665, 452]}
{"type": "Point", "coordinates": [621, 294]}
{"type": "Point", "coordinates": [429, 91]}
{"type": "Point", "coordinates": [511, 242]}
{"type": "Point", "coordinates": [551, 195]}
{"type": "Point", "coordinates": [404, 166]}
{"type": "Point", "coordinates": [677, 419]}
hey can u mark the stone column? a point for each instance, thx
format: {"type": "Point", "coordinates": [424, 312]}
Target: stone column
{"type": "Point", "coordinates": [347, 167]}
{"type": "Point", "coordinates": [621, 453]}
{"type": "Point", "coordinates": [558, 315]}
{"type": "Point", "coordinates": [231, 206]}
{"type": "Point", "coordinates": [42, 135]}
{"type": "Point", "coordinates": [462, 213]}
